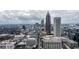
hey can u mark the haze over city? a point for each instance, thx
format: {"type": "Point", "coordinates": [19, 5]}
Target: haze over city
{"type": "Point", "coordinates": [35, 16]}
{"type": "Point", "coordinates": [39, 29]}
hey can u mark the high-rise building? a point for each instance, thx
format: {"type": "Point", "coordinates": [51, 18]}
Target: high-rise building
{"type": "Point", "coordinates": [23, 27]}
{"type": "Point", "coordinates": [48, 23]}
{"type": "Point", "coordinates": [57, 26]}
{"type": "Point", "coordinates": [42, 23]}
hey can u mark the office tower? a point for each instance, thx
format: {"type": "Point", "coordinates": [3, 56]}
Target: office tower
{"type": "Point", "coordinates": [57, 26]}
{"type": "Point", "coordinates": [38, 40]}
{"type": "Point", "coordinates": [24, 27]}
{"type": "Point", "coordinates": [48, 23]}
{"type": "Point", "coordinates": [42, 23]}
{"type": "Point", "coordinates": [76, 37]}
{"type": "Point", "coordinates": [37, 25]}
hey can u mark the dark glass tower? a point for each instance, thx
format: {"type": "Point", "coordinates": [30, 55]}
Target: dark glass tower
{"type": "Point", "coordinates": [48, 24]}
{"type": "Point", "coordinates": [23, 27]}
{"type": "Point", "coordinates": [42, 23]}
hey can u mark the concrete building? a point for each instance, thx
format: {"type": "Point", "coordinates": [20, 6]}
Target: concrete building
{"type": "Point", "coordinates": [57, 26]}
{"type": "Point", "coordinates": [5, 37]}
{"type": "Point", "coordinates": [72, 44]}
{"type": "Point", "coordinates": [21, 45]}
{"type": "Point", "coordinates": [49, 42]}
{"type": "Point", "coordinates": [31, 41]}
{"type": "Point", "coordinates": [7, 44]}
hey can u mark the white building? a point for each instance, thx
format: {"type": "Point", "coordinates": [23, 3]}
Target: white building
{"type": "Point", "coordinates": [50, 42]}
{"type": "Point", "coordinates": [7, 44]}
{"type": "Point", "coordinates": [31, 41]}
{"type": "Point", "coordinates": [19, 36]}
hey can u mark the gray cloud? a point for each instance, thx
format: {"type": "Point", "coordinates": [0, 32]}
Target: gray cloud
{"type": "Point", "coordinates": [32, 16]}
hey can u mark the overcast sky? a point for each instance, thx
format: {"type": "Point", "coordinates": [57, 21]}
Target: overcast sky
{"type": "Point", "coordinates": [34, 16]}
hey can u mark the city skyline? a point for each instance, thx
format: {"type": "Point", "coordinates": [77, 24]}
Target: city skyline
{"type": "Point", "coordinates": [35, 16]}
{"type": "Point", "coordinates": [37, 36]}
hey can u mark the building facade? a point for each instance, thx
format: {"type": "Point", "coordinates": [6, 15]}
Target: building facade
{"type": "Point", "coordinates": [57, 26]}
{"type": "Point", "coordinates": [51, 43]}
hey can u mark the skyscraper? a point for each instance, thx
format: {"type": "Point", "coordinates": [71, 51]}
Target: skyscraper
{"type": "Point", "coordinates": [42, 23]}
{"type": "Point", "coordinates": [23, 27]}
{"type": "Point", "coordinates": [48, 23]}
{"type": "Point", "coordinates": [57, 26]}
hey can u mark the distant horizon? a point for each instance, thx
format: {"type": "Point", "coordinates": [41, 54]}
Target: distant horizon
{"type": "Point", "coordinates": [40, 23]}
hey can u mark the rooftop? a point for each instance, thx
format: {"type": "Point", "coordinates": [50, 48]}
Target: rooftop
{"type": "Point", "coordinates": [22, 43]}
{"type": "Point", "coordinates": [7, 42]}
{"type": "Point", "coordinates": [31, 39]}
{"type": "Point", "coordinates": [50, 38]}
{"type": "Point", "coordinates": [67, 40]}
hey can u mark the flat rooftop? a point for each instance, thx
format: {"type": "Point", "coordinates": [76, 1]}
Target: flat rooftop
{"type": "Point", "coordinates": [50, 38]}
{"type": "Point", "coordinates": [67, 40]}
{"type": "Point", "coordinates": [7, 42]}
{"type": "Point", "coordinates": [22, 43]}
{"type": "Point", "coordinates": [3, 35]}
{"type": "Point", "coordinates": [31, 38]}
{"type": "Point", "coordinates": [19, 35]}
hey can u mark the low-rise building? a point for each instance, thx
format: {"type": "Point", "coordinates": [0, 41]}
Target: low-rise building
{"type": "Point", "coordinates": [50, 42]}
{"type": "Point", "coordinates": [31, 41]}
{"type": "Point", "coordinates": [72, 44]}
{"type": "Point", "coordinates": [7, 44]}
